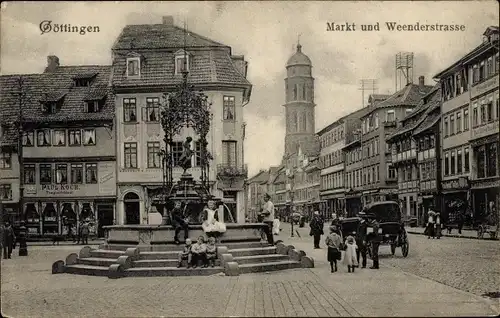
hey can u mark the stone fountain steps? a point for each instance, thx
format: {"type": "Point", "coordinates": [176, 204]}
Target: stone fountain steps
{"type": "Point", "coordinates": [264, 250]}
{"type": "Point", "coordinates": [256, 259]}
{"type": "Point", "coordinates": [97, 261]}
{"type": "Point", "coordinates": [175, 247]}
{"type": "Point", "coordinates": [159, 263]}
{"type": "Point", "coordinates": [172, 271]}
{"type": "Point", "coordinates": [83, 269]}
{"type": "Point", "coordinates": [268, 267]}
{"type": "Point", "coordinates": [100, 253]}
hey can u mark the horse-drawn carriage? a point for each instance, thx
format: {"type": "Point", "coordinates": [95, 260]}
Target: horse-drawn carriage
{"type": "Point", "coordinates": [391, 227]}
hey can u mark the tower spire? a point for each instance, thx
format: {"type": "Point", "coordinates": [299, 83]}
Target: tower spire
{"type": "Point", "coordinates": [299, 47]}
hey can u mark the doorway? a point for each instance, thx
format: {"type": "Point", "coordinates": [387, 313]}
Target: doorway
{"type": "Point", "coordinates": [131, 203]}
{"type": "Point", "coordinates": [105, 215]}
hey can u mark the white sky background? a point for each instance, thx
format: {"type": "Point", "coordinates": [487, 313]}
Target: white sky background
{"type": "Point", "coordinates": [266, 33]}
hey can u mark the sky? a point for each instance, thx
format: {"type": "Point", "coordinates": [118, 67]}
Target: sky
{"type": "Point", "coordinates": [266, 33]}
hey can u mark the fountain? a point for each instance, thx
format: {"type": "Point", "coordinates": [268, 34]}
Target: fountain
{"type": "Point", "coordinates": [150, 250]}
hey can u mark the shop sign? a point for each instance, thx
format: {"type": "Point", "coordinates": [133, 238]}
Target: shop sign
{"type": "Point", "coordinates": [460, 183]}
{"type": "Point", "coordinates": [58, 189]}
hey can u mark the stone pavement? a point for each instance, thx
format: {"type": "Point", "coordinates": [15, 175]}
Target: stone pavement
{"type": "Point", "coordinates": [454, 233]}
{"type": "Point", "coordinates": [29, 289]}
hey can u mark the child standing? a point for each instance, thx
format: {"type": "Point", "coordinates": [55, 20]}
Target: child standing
{"type": "Point", "coordinates": [350, 258]}
{"type": "Point", "coordinates": [333, 242]}
{"type": "Point", "coordinates": [186, 254]}
{"type": "Point", "coordinates": [211, 252]}
{"type": "Point", "coordinates": [199, 252]}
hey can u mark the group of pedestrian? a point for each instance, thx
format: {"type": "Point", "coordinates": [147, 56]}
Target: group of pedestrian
{"type": "Point", "coordinates": [82, 234]}
{"type": "Point", "coordinates": [433, 228]}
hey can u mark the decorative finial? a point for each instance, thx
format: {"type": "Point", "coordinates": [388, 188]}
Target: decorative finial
{"type": "Point", "coordinates": [299, 47]}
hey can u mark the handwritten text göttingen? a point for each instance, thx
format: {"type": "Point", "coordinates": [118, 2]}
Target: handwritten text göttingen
{"type": "Point", "coordinates": [395, 26]}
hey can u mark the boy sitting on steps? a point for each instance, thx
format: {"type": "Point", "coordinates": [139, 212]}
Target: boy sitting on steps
{"type": "Point", "coordinates": [186, 254]}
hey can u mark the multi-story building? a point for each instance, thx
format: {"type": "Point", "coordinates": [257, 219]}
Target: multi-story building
{"type": "Point", "coordinates": [68, 149]}
{"type": "Point", "coordinates": [256, 188]}
{"type": "Point", "coordinates": [415, 159]}
{"type": "Point", "coordinates": [378, 177]}
{"type": "Point", "coordinates": [470, 127]}
{"type": "Point", "coordinates": [331, 161]}
{"type": "Point", "coordinates": [149, 60]}
{"type": "Point", "coordinates": [11, 96]}
{"type": "Point", "coordinates": [426, 135]}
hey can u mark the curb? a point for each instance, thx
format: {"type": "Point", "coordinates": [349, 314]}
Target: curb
{"type": "Point", "coordinates": [62, 243]}
{"type": "Point", "coordinates": [457, 236]}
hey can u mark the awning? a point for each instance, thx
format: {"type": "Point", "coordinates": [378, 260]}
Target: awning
{"type": "Point", "coordinates": [332, 196]}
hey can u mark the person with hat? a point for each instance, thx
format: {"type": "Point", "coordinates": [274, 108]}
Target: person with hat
{"type": "Point", "coordinates": [361, 242]}
{"type": "Point", "coordinates": [374, 239]}
{"type": "Point", "coordinates": [430, 223]}
{"type": "Point", "coordinates": [267, 215]}
{"type": "Point", "coordinates": [316, 225]}
{"type": "Point", "coordinates": [333, 242]}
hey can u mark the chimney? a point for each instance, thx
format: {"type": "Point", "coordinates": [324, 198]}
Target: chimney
{"type": "Point", "coordinates": [168, 20]}
{"type": "Point", "coordinates": [52, 63]}
{"type": "Point", "coordinates": [421, 81]}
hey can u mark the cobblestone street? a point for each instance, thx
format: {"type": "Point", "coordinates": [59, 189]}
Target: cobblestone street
{"type": "Point", "coordinates": [29, 289]}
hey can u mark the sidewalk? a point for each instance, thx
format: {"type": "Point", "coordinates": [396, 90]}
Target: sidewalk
{"type": "Point", "coordinates": [390, 291]}
{"type": "Point", "coordinates": [63, 243]}
{"type": "Point", "coordinates": [465, 233]}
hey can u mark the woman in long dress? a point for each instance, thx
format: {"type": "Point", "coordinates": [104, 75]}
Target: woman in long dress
{"type": "Point", "coordinates": [211, 225]}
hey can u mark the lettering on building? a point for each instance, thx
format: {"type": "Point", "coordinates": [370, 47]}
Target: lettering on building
{"type": "Point", "coordinates": [460, 183]}
{"type": "Point", "coordinates": [60, 188]}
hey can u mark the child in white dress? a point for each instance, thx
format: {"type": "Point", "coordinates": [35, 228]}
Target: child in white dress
{"type": "Point", "coordinates": [350, 258]}
{"type": "Point", "coordinates": [211, 226]}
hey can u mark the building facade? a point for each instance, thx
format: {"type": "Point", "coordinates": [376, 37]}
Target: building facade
{"type": "Point", "coordinates": [414, 157]}
{"type": "Point", "coordinates": [331, 162]}
{"type": "Point", "coordinates": [256, 187]}
{"type": "Point", "coordinates": [10, 99]}
{"type": "Point", "coordinates": [146, 68]}
{"type": "Point", "coordinates": [470, 129]}
{"type": "Point", "coordinates": [378, 175]}
{"type": "Point", "coordinates": [69, 171]}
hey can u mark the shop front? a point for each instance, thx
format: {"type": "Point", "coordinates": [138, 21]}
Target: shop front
{"type": "Point", "coordinates": [485, 198]}
{"type": "Point", "coordinates": [353, 203]}
{"type": "Point", "coordinates": [334, 202]}
{"type": "Point", "coordinates": [54, 209]}
{"type": "Point", "coordinates": [456, 195]}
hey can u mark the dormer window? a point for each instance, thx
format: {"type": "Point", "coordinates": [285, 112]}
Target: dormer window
{"type": "Point", "coordinates": [93, 106]}
{"type": "Point", "coordinates": [49, 108]}
{"type": "Point", "coordinates": [84, 80]}
{"type": "Point", "coordinates": [181, 62]}
{"type": "Point", "coordinates": [133, 67]}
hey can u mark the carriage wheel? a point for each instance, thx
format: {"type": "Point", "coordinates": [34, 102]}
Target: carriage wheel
{"type": "Point", "coordinates": [393, 248]}
{"type": "Point", "coordinates": [405, 248]}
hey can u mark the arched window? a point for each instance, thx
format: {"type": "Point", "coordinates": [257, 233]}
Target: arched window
{"type": "Point", "coordinates": [295, 89]}
{"type": "Point", "coordinates": [304, 97]}
{"type": "Point", "coordinates": [131, 197]}
{"type": "Point", "coordinates": [304, 122]}
{"type": "Point", "coordinates": [294, 121]}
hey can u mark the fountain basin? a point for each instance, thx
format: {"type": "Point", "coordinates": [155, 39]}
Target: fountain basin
{"type": "Point", "coordinates": [164, 234]}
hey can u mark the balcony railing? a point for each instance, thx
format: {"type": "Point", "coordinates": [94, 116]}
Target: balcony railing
{"type": "Point", "coordinates": [228, 170]}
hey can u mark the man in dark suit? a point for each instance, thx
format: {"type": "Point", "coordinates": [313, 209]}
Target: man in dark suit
{"type": "Point", "coordinates": [178, 222]}
{"type": "Point", "coordinates": [361, 237]}
{"type": "Point", "coordinates": [375, 242]}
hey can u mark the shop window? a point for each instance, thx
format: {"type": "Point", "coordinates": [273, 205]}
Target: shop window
{"type": "Point", "coordinates": [49, 219]}
{"type": "Point", "coordinates": [68, 214]}
{"type": "Point", "coordinates": [86, 212]}
{"type": "Point", "coordinates": [32, 218]}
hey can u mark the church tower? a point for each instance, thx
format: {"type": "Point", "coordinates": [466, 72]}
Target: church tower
{"type": "Point", "coordinates": [299, 103]}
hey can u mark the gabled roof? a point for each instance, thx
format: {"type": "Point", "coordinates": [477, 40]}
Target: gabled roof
{"type": "Point", "coordinates": [160, 36]}
{"type": "Point", "coordinates": [421, 112]}
{"type": "Point", "coordinates": [262, 176]}
{"type": "Point", "coordinates": [432, 115]}
{"type": "Point", "coordinates": [158, 69]}
{"type": "Point", "coordinates": [59, 86]}
{"type": "Point", "coordinates": [377, 98]}
{"type": "Point", "coordinates": [280, 177]}
{"type": "Point", "coordinates": [409, 95]}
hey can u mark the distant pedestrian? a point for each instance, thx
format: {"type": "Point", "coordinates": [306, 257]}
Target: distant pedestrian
{"type": "Point", "coordinates": [374, 239]}
{"type": "Point", "coordinates": [85, 233]}
{"type": "Point", "coordinates": [316, 228]}
{"type": "Point", "coordinates": [438, 225]}
{"type": "Point", "coordinates": [8, 240]}
{"type": "Point", "coordinates": [267, 215]}
{"type": "Point", "coordinates": [350, 258]}
{"type": "Point", "coordinates": [333, 242]}
{"type": "Point", "coordinates": [460, 222]}
{"type": "Point", "coordinates": [430, 224]}
{"type": "Point", "coordinates": [361, 242]}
